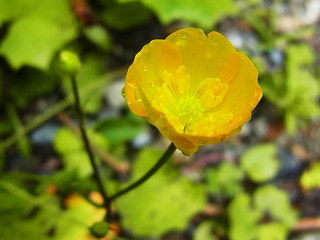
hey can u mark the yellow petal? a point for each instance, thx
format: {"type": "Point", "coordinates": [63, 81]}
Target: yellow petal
{"type": "Point", "coordinates": [146, 70]}
{"type": "Point", "coordinates": [243, 95]}
{"type": "Point", "coordinates": [132, 94]}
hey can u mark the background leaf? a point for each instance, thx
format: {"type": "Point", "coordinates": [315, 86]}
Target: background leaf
{"type": "Point", "coordinates": [41, 217]}
{"type": "Point", "coordinates": [74, 156]}
{"type": "Point", "coordinates": [32, 38]}
{"type": "Point", "coordinates": [311, 177]}
{"type": "Point", "coordinates": [260, 162]}
{"type": "Point", "coordinates": [165, 202]}
{"type": "Point", "coordinates": [269, 199]}
{"type": "Point", "coordinates": [226, 179]}
{"type": "Point", "coordinates": [204, 14]}
{"type": "Point", "coordinates": [121, 129]}
{"type": "Point", "coordinates": [126, 15]}
{"type": "Point", "coordinates": [243, 219]}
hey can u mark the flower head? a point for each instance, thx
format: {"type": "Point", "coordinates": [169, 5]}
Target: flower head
{"type": "Point", "coordinates": [196, 90]}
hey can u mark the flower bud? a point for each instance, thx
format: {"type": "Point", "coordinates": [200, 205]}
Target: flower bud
{"type": "Point", "coordinates": [69, 63]}
{"type": "Point", "coordinates": [99, 229]}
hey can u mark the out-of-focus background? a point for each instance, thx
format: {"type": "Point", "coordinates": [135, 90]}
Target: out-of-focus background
{"type": "Point", "coordinates": [263, 184]}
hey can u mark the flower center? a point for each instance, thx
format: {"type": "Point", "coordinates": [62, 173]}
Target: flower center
{"type": "Point", "coordinates": [188, 109]}
{"type": "Point", "coordinates": [185, 101]}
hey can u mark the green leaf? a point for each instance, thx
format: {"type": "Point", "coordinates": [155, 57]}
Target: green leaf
{"type": "Point", "coordinates": [243, 219]}
{"type": "Point", "coordinates": [203, 232]}
{"type": "Point", "coordinates": [10, 10]}
{"type": "Point", "coordinates": [120, 129]}
{"type": "Point", "coordinates": [24, 216]}
{"type": "Point", "coordinates": [38, 34]}
{"type": "Point", "coordinates": [205, 13]}
{"type": "Point", "coordinates": [66, 141]}
{"type": "Point", "coordinates": [311, 177]}
{"type": "Point", "coordinates": [31, 84]}
{"type": "Point", "coordinates": [272, 231]}
{"type": "Point", "coordinates": [126, 15]}
{"type": "Point", "coordinates": [99, 36]}
{"type": "Point", "coordinates": [165, 202]}
{"type": "Point", "coordinates": [274, 88]}
{"type": "Point", "coordinates": [295, 91]}
{"type": "Point", "coordinates": [290, 121]}
{"type": "Point", "coordinates": [299, 54]}
{"type": "Point", "coordinates": [260, 162]}
{"type": "Point", "coordinates": [79, 162]}
{"type": "Point", "coordinates": [276, 202]}
{"type": "Point", "coordinates": [260, 63]}
{"type": "Point", "coordinates": [246, 213]}
{"type": "Point", "coordinates": [226, 179]}
{"type": "Point", "coordinates": [301, 96]}
{"type": "Point", "coordinates": [74, 156]}
{"type": "Point", "coordinates": [6, 127]}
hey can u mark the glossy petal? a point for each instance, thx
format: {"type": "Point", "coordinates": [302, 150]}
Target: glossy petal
{"type": "Point", "coordinates": [196, 90]}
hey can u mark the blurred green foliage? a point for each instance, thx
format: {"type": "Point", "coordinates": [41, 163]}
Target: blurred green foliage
{"type": "Point", "coordinates": [225, 179]}
{"type": "Point", "coordinates": [121, 17]}
{"type": "Point", "coordinates": [204, 231]}
{"type": "Point", "coordinates": [33, 32]}
{"type": "Point", "coordinates": [164, 193]}
{"type": "Point", "coordinates": [264, 214]}
{"type": "Point", "coordinates": [121, 129]}
{"type": "Point", "coordinates": [205, 14]}
{"type": "Point", "coordinates": [24, 216]}
{"type": "Point", "coordinates": [30, 84]}
{"type": "Point", "coordinates": [32, 37]}
{"type": "Point", "coordinates": [260, 162]}
{"type": "Point", "coordinates": [74, 156]}
{"type": "Point", "coordinates": [310, 178]}
{"type": "Point", "coordinates": [245, 219]}
{"type": "Point", "coordinates": [294, 89]}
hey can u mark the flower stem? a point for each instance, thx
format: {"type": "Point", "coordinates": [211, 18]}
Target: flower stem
{"type": "Point", "coordinates": [81, 122]}
{"type": "Point", "coordinates": [148, 174]}
{"type": "Point", "coordinates": [54, 109]}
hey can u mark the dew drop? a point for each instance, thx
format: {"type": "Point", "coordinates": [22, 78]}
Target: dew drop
{"type": "Point", "coordinates": [145, 68]}
{"type": "Point", "coordinates": [123, 93]}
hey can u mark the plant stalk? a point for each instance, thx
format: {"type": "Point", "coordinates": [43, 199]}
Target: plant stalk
{"type": "Point", "coordinates": [81, 122]}
{"type": "Point", "coordinates": [148, 174]}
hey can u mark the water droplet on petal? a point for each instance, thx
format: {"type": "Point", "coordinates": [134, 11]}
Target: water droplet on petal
{"type": "Point", "coordinates": [123, 93]}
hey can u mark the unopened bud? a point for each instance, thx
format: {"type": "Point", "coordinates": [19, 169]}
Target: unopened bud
{"type": "Point", "coordinates": [99, 229]}
{"type": "Point", "coordinates": [69, 63]}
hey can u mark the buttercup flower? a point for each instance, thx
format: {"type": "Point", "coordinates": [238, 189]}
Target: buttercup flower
{"type": "Point", "coordinates": [196, 90]}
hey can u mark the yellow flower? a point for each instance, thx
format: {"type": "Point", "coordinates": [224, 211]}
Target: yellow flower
{"type": "Point", "coordinates": [196, 90]}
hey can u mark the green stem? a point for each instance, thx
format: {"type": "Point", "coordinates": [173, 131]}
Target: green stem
{"type": "Point", "coordinates": [106, 201]}
{"type": "Point", "coordinates": [23, 143]}
{"type": "Point", "coordinates": [53, 110]}
{"type": "Point", "coordinates": [147, 175]}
